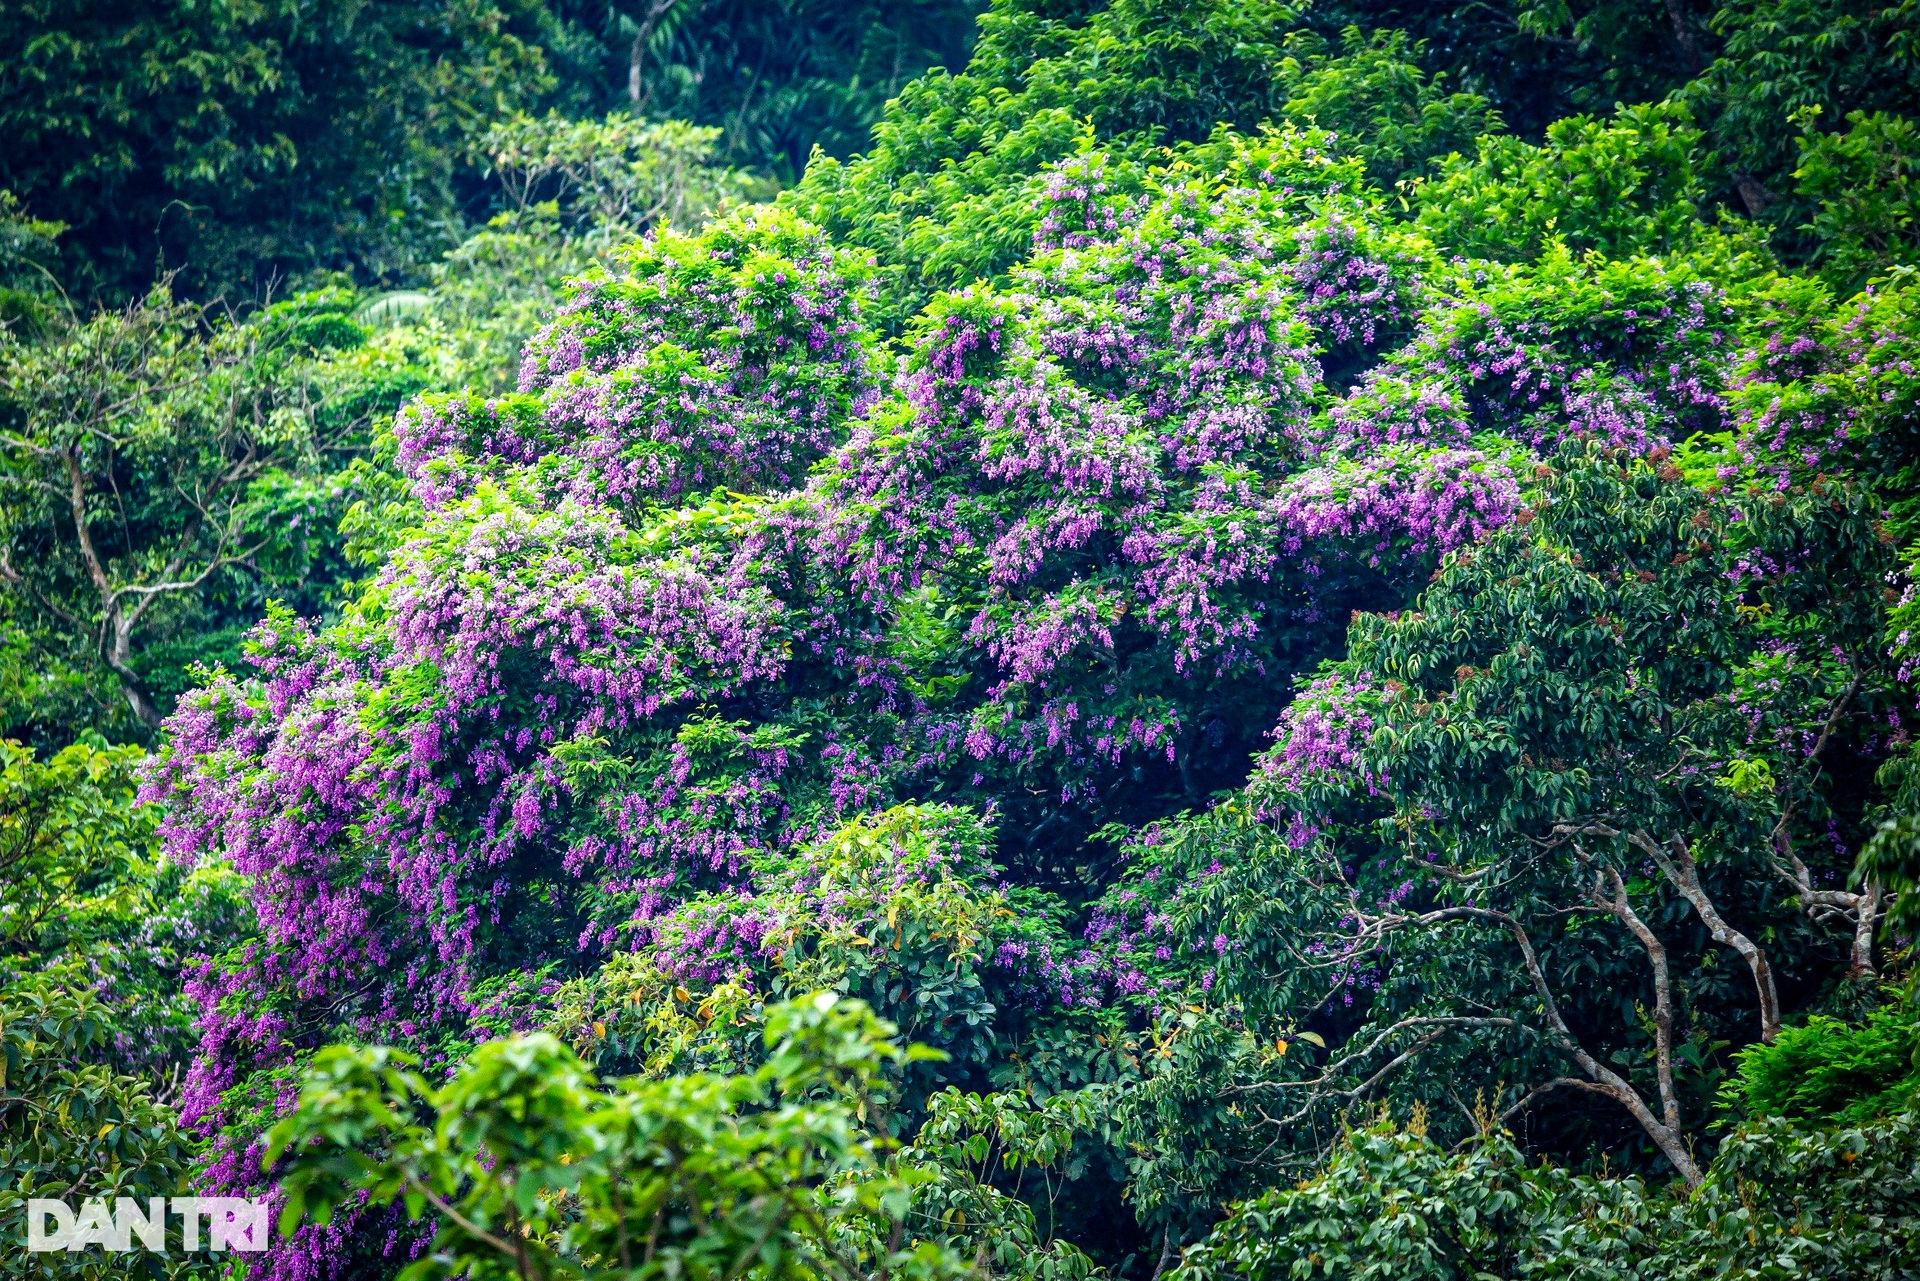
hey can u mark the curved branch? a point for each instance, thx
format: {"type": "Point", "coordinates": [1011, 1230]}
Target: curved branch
{"type": "Point", "coordinates": [1622, 908]}
{"type": "Point", "coordinates": [1684, 873]}
{"type": "Point", "coordinates": [1605, 1080]}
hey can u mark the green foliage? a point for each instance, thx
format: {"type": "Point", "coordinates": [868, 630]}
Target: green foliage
{"type": "Point", "coordinates": [161, 475]}
{"type": "Point", "coordinates": [1495, 895]}
{"type": "Point", "coordinates": [492, 290]}
{"type": "Point", "coordinates": [616, 177]}
{"type": "Point", "coordinates": [531, 1163]}
{"type": "Point", "coordinates": [81, 894]}
{"type": "Point", "coordinates": [972, 1145]}
{"type": "Point", "coordinates": [1389, 1204]}
{"type": "Point", "coordinates": [1781, 1201]}
{"type": "Point", "coordinates": [260, 140]}
{"type": "Point", "coordinates": [782, 1170]}
{"type": "Point", "coordinates": [945, 193]}
{"type": "Point", "coordinates": [1378, 102]}
{"type": "Point", "coordinates": [1782, 57]}
{"type": "Point", "coordinates": [1829, 1071]}
{"type": "Point", "coordinates": [1863, 181]}
{"type": "Point", "coordinates": [72, 1127]}
{"type": "Point", "coordinates": [899, 909]}
{"type": "Point", "coordinates": [1892, 857]}
{"type": "Point", "coordinates": [29, 288]}
{"type": "Point", "coordinates": [574, 192]}
{"type": "Point", "coordinates": [237, 142]}
{"type": "Point", "coordinates": [776, 79]}
{"type": "Point", "coordinates": [1787, 1199]}
{"type": "Point", "coordinates": [1537, 61]}
{"type": "Point", "coordinates": [71, 840]}
{"type": "Point", "coordinates": [1632, 52]}
{"type": "Point", "coordinates": [1622, 187]}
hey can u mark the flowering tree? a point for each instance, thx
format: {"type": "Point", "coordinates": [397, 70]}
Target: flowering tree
{"type": "Point", "coordinates": [745, 650]}
{"type": "Point", "coordinates": [1519, 820]}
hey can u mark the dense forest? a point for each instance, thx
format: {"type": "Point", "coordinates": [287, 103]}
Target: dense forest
{"type": "Point", "coordinates": [713, 640]}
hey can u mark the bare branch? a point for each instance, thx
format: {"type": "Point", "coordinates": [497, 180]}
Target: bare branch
{"type": "Point", "coordinates": [1684, 873]}
{"type": "Point", "coordinates": [1405, 1056]}
{"type": "Point", "coordinates": [1866, 915]}
{"type": "Point", "coordinates": [1616, 900]}
{"type": "Point", "coordinates": [1332, 1070]}
{"type": "Point", "coordinates": [82, 529]}
{"type": "Point", "coordinates": [1665, 1137]}
{"type": "Point", "coordinates": [1558, 1083]}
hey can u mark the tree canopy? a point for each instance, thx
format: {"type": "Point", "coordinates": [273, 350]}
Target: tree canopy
{"type": "Point", "coordinates": [1162, 638]}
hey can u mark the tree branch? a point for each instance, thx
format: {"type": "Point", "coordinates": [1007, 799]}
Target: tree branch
{"type": "Point", "coordinates": [1684, 873]}
{"type": "Point", "coordinates": [1622, 908]}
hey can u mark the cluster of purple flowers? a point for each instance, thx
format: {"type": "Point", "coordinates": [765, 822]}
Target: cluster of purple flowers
{"type": "Point", "coordinates": [1322, 736]}
{"type": "Point", "coordinates": [733, 358]}
{"type": "Point", "coordinates": [1097, 513]}
{"type": "Point", "coordinates": [1349, 293]}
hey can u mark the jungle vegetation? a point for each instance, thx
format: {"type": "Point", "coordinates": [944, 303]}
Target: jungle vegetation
{"type": "Point", "coordinates": [1144, 639]}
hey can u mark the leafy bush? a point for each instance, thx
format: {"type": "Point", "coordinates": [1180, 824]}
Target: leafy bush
{"type": "Point", "coordinates": [1829, 1071]}
{"type": "Point", "coordinates": [1371, 92]}
{"type": "Point", "coordinates": [1863, 180]}
{"type": "Point", "coordinates": [1621, 187]}
{"type": "Point", "coordinates": [246, 142]}
{"type": "Point", "coordinates": [1390, 1203]}
{"type": "Point", "coordinates": [83, 899]}
{"type": "Point", "coordinates": [166, 473]}
{"type": "Point", "coordinates": [534, 1167]}
{"type": "Point", "coordinates": [946, 192]}
{"type": "Point", "coordinates": [71, 1127]}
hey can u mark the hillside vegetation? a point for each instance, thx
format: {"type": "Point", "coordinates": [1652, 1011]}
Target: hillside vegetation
{"type": "Point", "coordinates": [1177, 638]}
